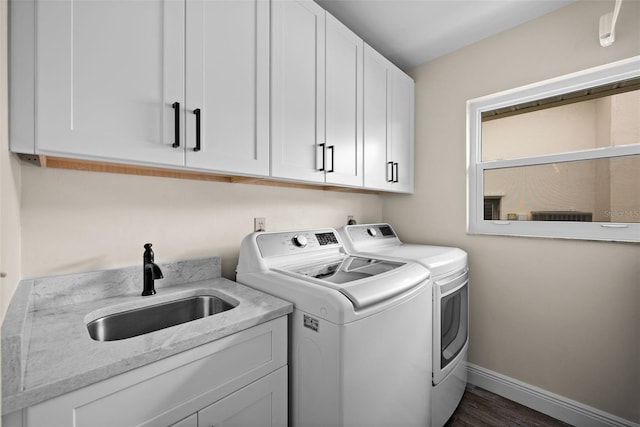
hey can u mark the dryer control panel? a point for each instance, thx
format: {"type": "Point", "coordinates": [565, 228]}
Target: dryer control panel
{"type": "Point", "coordinates": [358, 233]}
{"type": "Point", "coordinates": [296, 242]}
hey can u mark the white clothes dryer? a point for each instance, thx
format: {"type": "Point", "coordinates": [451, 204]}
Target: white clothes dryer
{"type": "Point", "coordinates": [359, 336]}
{"type": "Point", "coordinates": [450, 275]}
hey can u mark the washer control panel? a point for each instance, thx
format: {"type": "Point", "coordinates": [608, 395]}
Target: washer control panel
{"type": "Point", "coordinates": [299, 240]}
{"type": "Point", "coordinates": [295, 242]}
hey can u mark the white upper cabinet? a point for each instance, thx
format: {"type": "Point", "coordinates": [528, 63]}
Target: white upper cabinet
{"type": "Point", "coordinates": [388, 125]}
{"type": "Point", "coordinates": [297, 84]}
{"type": "Point", "coordinates": [270, 88]}
{"type": "Point", "coordinates": [316, 97]}
{"type": "Point", "coordinates": [227, 57]}
{"type": "Point", "coordinates": [402, 144]}
{"type": "Point", "coordinates": [111, 83]}
{"type": "Point", "coordinates": [377, 70]}
{"type": "Point", "coordinates": [108, 73]}
{"type": "Point", "coordinates": [343, 118]}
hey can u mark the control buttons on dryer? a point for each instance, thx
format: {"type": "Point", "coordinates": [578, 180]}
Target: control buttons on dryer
{"type": "Point", "coordinates": [299, 240]}
{"type": "Point", "coordinates": [372, 232]}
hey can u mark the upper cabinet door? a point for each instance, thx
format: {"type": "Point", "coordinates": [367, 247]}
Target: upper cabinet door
{"type": "Point", "coordinates": [343, 118]}
{"type": "Point", "coordinates": [377, 82]}
{"type": "Point", "coordinates": [227, 62]}
{"type": "Point", "coordinates": [402, 131]}
{"type": "Point", "coordinates": [388, 125]}
{"type": "Point", "coordinates": [297, 84]}
{"type": "Point", "coordinates": [108, 75]}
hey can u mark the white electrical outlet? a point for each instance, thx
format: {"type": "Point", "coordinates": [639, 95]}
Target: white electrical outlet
{"type": "Point", "coordinates": [259, 224]}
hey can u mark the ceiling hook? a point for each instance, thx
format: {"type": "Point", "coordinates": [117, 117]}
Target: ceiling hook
{"type": "Point", "coordinates": [608, 26]}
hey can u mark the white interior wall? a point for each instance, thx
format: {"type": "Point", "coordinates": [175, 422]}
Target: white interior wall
{"type": "Point", "coordinates": [76, 221]}
{"type": "Point", "coordinates": [561, 315]}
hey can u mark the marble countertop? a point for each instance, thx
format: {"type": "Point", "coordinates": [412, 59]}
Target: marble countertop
{"type": "Point", "coordinates": [47, 350]}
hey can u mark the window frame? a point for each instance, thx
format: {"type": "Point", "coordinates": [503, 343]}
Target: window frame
{"type": "Point", "coordinates": [597, 76]}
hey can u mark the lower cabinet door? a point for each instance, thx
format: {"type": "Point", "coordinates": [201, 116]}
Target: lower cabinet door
{"type": "Point", "coordinates": [261, 403]}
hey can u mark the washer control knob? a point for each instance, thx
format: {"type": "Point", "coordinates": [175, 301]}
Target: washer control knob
{"type": "Point", "coordinates": [372, 232]}
{"type": "Point", "coordinates": [299, 240]}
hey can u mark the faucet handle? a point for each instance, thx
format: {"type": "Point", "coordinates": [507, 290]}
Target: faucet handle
{"type": "Point", "coordinates": [148, 253]}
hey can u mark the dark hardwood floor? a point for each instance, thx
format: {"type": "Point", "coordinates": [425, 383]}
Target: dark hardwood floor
{"type": "Point", "coordinates": [480, 408]}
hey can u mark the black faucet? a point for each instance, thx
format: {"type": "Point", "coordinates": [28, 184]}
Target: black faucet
{"type": "Point", "coordinates": [150, 270]}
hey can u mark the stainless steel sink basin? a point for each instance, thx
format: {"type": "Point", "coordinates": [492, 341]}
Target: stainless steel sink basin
{"type": "Point", "coordinates": [143, 320]}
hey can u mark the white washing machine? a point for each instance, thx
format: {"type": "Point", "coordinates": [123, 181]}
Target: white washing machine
{"type": "Point", "coordinates": [450, 275]}
{"type": "Point", "coordinates": [359, 335]}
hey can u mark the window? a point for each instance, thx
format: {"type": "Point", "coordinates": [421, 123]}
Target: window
{"type": "Point", "coordinates": [560, 158]}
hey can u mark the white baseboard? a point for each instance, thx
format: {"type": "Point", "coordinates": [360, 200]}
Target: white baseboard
{"type": "Point", "coordinates": [556, 406]}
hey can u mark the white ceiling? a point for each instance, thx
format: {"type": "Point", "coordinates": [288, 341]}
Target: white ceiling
{"type": "Point", "coordinates": [412, 32]}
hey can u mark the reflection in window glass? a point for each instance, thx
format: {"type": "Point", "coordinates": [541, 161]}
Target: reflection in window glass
{"type": "Point", "coordinates": [599, 190]}
{"type": "Point", "coordinates": [491, 207]}
{"type": "Point", "coordinates": [602, 122]}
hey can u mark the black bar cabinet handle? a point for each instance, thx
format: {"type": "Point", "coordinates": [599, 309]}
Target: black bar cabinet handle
{"type": "Point", "coordinates": [395, 179]}
{"type": "Point", "coordinates": [324, 156]}
{"type": "Point", "coordinates": [176, 121]}
{"type": "Point", "coordinates": [332, 148]}
{"type": "Point", "coordinates": [197, 113]}
{"type": "Point", "coordinates": [389, 172]}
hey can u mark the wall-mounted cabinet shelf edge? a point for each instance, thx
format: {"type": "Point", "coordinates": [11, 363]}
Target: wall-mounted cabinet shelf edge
{"type": "Point", "coordinates": [130, 169]}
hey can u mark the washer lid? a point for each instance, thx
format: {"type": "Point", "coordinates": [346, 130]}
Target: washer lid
{"type": "Point", "coordinates": [364, 281]}
{"type": "Point", "coordinates": [347, 269]}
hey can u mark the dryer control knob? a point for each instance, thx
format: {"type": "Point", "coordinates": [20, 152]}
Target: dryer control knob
{"type": "Point", "coordinates": [299, 240]}
{"type": "Point", "coordinates": [372, 232]}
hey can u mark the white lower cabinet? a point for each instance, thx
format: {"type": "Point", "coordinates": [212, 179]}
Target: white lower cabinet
{"type": "Point", "coordinates": [238, 380]}
{"type": "Point", "coordinates": [255, 405]}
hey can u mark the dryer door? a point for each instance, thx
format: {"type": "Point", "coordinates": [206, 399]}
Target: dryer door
{"type": "Point", "coordinates": [451, 325]}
